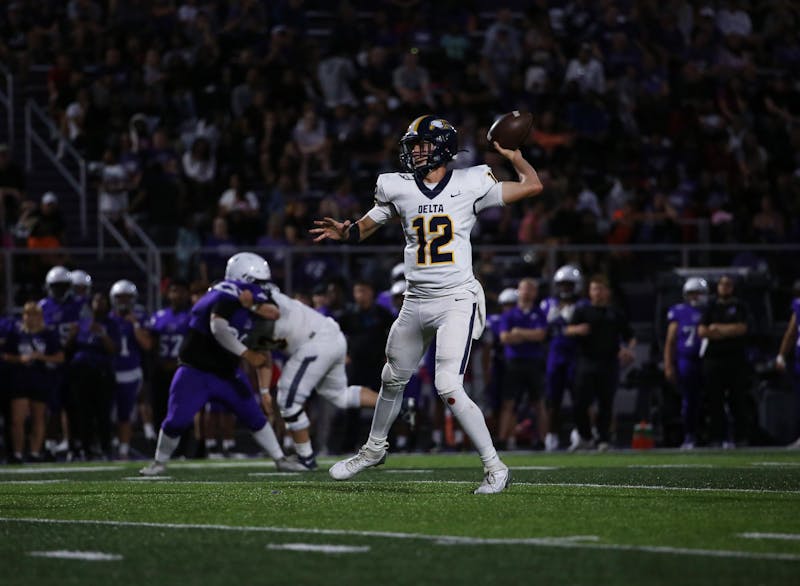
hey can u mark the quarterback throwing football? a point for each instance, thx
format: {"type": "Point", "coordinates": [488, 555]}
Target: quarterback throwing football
{"type": "Point", "coordinates": [438, 208]}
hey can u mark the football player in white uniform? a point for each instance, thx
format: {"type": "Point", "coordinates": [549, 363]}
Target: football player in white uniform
{"type": "Point", "coordinates": [438, 208]}
{"type": "Point", "coordinates": [316, 350]}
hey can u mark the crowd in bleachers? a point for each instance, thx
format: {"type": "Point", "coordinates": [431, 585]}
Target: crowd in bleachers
{"type": "Point", "coordinates": [655, 122]}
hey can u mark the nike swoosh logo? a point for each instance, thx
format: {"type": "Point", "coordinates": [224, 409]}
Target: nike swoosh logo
{"type": "Point", "coordinates": [462, 299]}
{"type": "Point", "coordinates": [455, 194]}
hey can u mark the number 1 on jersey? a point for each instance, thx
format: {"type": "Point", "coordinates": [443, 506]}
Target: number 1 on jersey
{"type": "Point", "coordinates": [442, 227]}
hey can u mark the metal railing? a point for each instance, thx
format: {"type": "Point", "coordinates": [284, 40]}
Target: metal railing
{"type": "Point", "coordinates": [7, 101]}
{"type": "Point", "coordinates": [40, 131]}
{"type": "Point", "coordinates": [147, 259]}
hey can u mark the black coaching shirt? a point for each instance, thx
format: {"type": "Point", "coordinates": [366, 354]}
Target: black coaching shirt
{"type": "Point", "coordinates": [733, 311]}
{"type": "Point", "coordinates": [607, 327]}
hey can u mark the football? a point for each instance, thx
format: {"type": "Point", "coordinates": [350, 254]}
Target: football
{"type": "Point", "coordinates": [511, 130]}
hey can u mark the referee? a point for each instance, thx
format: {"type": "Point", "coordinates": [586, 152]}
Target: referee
{"type": "Point", "coordinates": [601, 330]}
{"type": "Point", "coordinates": [723, 329]}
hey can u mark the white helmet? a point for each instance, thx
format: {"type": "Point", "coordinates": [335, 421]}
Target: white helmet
{"type": "Point", "coordinates": [566, 275]}
{"type": "Point", "coordinates": [507, 296]}
{"type": "Point", "coordinates": [398, 272]}
{"type": "Point", "coordinates": [81, 279]}
{"type": "Point", "coordinates": [120, 288]}
{"type": "Point", "coordinates": [58, 282]}
{"type": "Point", "coordinates": [696, 285]}
{"type": "Point", "coordinates": [248, 268]}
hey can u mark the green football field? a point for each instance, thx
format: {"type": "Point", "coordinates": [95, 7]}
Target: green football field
{"type": "Point", "coordinates": [656, 517]}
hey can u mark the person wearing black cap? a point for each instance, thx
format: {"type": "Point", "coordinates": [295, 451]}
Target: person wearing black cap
{"type": "Point", "coordinates": [723, 330]}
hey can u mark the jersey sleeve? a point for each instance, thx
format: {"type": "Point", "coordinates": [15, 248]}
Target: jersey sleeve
{"type": "Point", "coordinates": [225, 307]}
{"type": "Point", "coordinates": [488, 188]}
{"type": "Point", "coordinates": [383, 210]}
{"type": "Point", "coordinates": [672, 314]}
{"type": "Point", "coordinates": [504, 324]}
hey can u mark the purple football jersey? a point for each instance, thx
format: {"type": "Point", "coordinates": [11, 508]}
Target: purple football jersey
{"type": "Point", "coordinates": [688, 319]}
{"type": "Point", "coordinates": [61, 315]}
{"type": "Point", "coordinates": [129, 354]}
{"type": "Point", "coordinates": [518, 318]}
{"type": "Point", "coordinates": [171, 328]}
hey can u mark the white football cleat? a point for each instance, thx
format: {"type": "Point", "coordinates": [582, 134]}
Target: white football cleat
{"type": "Point", "coordinates": [795, 445]}
{"type": "Point", "coordinates": [495, 481]}
{"type": "Point", "coordinates": [578, 443]}
{"type": "Point", "coordinates": [153, 469]}
{"type": "Point", "coordinates": [292, 464]}
{"type": "Point", "coordinates": [550, 442]}
{"type": "Point", "coordinates": [365, 458]}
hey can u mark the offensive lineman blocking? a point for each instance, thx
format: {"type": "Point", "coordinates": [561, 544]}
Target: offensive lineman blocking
{"type": "Point", "coordinates": [438, 208]}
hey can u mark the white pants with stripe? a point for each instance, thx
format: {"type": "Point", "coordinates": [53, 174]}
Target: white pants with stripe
{"type": "Point", "coordinates": [454, 319]}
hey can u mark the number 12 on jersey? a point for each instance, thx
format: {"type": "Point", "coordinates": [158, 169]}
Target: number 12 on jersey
{"type": "Point", "coordinates": [440, 228]}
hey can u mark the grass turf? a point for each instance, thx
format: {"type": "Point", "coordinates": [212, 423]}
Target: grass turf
{"type": "Point", "coordinates": [616, 518]}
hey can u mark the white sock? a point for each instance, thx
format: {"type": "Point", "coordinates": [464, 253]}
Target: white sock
{"type": "Point", "coordinates": [304, 449]}
{"type": "Point", "coordinates": [124, 449]}
{"type": "Point", "coordinates": [266, 439]}
{"type": "Point", "coordinates": [149, 431]}
{"type": "Point", "coordinates": [228, 444]}
{"type": "Point", "coordinates": [165, 447]}
{"type": "Point", "coordinates": [386, 412]}
{"type": "Point", "coordinates": [474, 425]}
{"type": "Point", "coordinates": [211, 444]}
{"type": "Point", "coordinates": [288, 442]}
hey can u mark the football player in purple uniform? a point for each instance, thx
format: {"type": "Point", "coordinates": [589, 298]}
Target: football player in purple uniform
{"type": "Point", "coordinates": [61, 312]}
{"type": "Point", "coordinates": [169, 327]}
{"type": "Point", "coordinates": [561, 354]}
{"type": "Point", "coordinates": [134, 340]}
{"type": "Point", "coordinates": [682, 363]}
{"type": "Point", "coordinates": [210, 357]}
{"type": "Point", "coordinates": [792, 337]}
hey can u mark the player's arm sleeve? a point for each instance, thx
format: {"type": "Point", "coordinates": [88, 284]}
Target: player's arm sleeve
{"type": "Point", "coordinates": [226, 335]}
{"type": "Point", "coordinates": [489, 187]}
{"type": "Point", "coordinates": [383, 210]}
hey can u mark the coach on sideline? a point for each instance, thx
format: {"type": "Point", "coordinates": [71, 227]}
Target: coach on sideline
{"type": "Point", "coordinates": [723, 329]}
{"type": "Point", "coordinates": [601, 329]}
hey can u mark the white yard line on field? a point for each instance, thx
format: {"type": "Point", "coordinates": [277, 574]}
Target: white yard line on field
{"type": "Point", "coordinates": [777, 464]}
{"type": "Point", "coordinates": [319, 547]}
{"type": "Point", "coordinates": [50, 481]}
{"type": "Point", "coordinates": [87, 556]}
{"type": "Point", "coordinates": [51, 469]}
{"type": "Point", "coordinates": [670, 465]}
{"type": "Point", "coordinates": [570, 542]}
{"type": "Point", "coordinates": [782, 536]}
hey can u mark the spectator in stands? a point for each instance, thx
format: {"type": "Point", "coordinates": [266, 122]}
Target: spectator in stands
{"type": "Point", "coordinates": [412, 83]}
{"type": "Point", "coordinates": [199, 165]}
{"type": "Point", "coordinates": [12, 189]}
{"type": "Point", "coordinates": [586, 72]}
{"type": "Point", "coordinates": [312, 142]}
{"type": "Point", "coordinates": [726, 371]}
{"type": "Point", "coordinates": [241, 208]}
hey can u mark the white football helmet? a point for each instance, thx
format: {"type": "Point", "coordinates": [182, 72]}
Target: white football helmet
{"type": "Point", "coordinates": [58, 282]}
{"type": "Point", "coordinates": [123, 295]}
{"type": "Point", "coordinates": [508, 296]}
{"type": "Point", "coordinates": [81, 279]}
{"type": "Point", "coordinates": [248, 268]}
{"type": "Point", "coordinates": [695, 285]}
{"type": "Point", "coordinates": [567, 282]}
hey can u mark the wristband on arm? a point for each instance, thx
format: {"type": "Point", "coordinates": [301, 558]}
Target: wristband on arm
{"type": "Point", "coordinates": [353, 235]}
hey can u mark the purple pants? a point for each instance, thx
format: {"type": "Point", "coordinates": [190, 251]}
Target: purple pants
{"type": "Point", "coordinates": [192, 388]}
{"type": "Point", "coordinates": [689, 383]}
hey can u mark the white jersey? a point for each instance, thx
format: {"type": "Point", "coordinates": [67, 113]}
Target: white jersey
{"type": "Point", "coordinates": [437, 221]}
{"type": "Point", "coordinates": [299, 323]}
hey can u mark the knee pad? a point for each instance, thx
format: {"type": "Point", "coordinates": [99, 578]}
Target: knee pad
{"type": "Point", "coordinates": [348, 398]}
{"type": "Point", "coordinates": [295, 418]}
{"type": "Point", "coordinates": [394, 381]}
{"type": "Point", "coordinates": [447, 382]}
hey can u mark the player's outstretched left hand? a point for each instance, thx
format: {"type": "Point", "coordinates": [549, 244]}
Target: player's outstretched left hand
{"type": "Point", "coordinates": [330, 229]}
